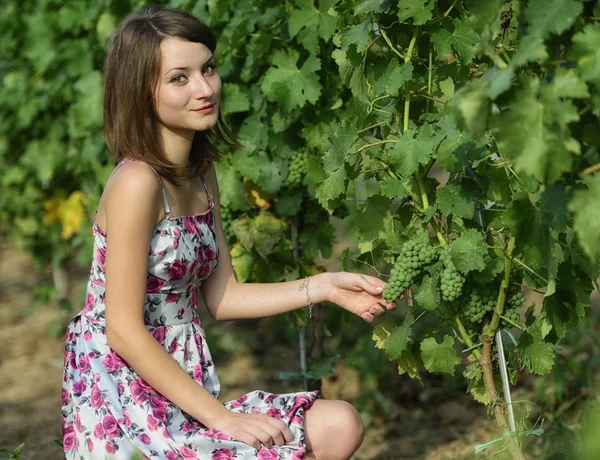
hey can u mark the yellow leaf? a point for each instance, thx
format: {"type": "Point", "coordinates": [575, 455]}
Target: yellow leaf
{"type": "Point", "coordinates": [72, 213]}
{"type": "Point", "coordinates": [382, 331]}
{"type": "Point", "coordinates": [52, 208]}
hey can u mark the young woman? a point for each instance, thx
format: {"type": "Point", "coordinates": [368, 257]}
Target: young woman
{"type": "Point", "coordinates": [138, 373]}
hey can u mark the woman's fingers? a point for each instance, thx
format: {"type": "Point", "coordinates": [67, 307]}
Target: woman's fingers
{"type": "Point", "coordinates": [282, 427]}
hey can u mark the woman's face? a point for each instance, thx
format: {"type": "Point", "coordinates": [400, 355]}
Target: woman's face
{"type": "Point", "coordinates": [188, 81]}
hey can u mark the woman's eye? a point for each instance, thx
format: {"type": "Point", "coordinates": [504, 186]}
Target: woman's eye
{"type": "Point", "coordinates": [178, 78]}
{"type": "Point", "coordinates": [211, 66]}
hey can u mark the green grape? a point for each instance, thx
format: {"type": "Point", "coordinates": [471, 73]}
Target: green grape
{"type": "Point", "coordinates": [481, 302]}
{"type": "Point", "coordinates": [409, 264]}
{"type": "Point", "coordinates": [297, 169]}
{"type": "Point", "coordinates": [452, 280]}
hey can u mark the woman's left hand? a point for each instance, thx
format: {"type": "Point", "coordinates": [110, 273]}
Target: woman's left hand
{"type": "Point", "coordinates": [359, 294]}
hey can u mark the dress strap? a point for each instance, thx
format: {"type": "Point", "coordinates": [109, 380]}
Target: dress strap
{"type": "Point", "coordinates": [206, 188]}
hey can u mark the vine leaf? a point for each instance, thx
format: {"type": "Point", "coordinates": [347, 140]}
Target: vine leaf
{"type": "Point", "coordinates": [317, 240]}
{"type": "Point", "coordinates": [375, 221]}
{"type": "Point", "coordinates": [395, 344]}
{"type": "Point", "coordinates": [292, 87]}
{"type": "Point", "coordinates": [585, 209]}
{"type": "Point", "coordinates": [439, 357]}
{"type": "Point", "coordinates": [463, 39]}
{"type": "Point", "coordinates": [419, 10]}
{"type": "Point", "coordinates": [452, 199]}
{"type": "Point", "coordinates": [546, 18]}
{"type": "Point", "coordinates": [306, 20]}
{"type": "Point", "coordinates": [411, 151]}
{"type": "Point", "coordinates": [393, 78]}
{"type": "Point", "coordinates": [332, 188]}
{"type": "Point", "coordinates": [469, 251]}
{"type": "Point", "coordinates": [359, 35]}
{"type": "Point", "coordinates": [392, 188]}
{"type": "Point", "coordinates": [535, 354]}
{"type": "Point", "coordinates": [372, 6]}
{"type": "Point", "coordinates": [587, 52]}
{"type": "Point", "coordinates": [341, 145]}
{"type": "Point", "coordinates": [428, 296]}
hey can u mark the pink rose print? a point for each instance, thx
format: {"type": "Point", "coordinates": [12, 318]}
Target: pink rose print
{"type": "Point", "coordinates": [78, 426]}
{"type": "Point", "coordinates": [72, 360]}
{"type": "Point", "coordinates": [205, 270]}
{"type": "Point", "coordinates": [222, 454]}
{"type": "Point", "coordinates": [110, 448]}
{"type": "Point", "coordinates": [274, 413]}
{"type": "Point", "coordinates": [189, 225]}
{"type": "Point", "coordinates": [79, 387]}
{"type": "Point", "coordinates": [177, 270]}
{"type": "Point", "coordinates": [256, 410]}
{"type": "Point", "coordinates": [90, 444]}
{"type": "Point", "coordinates": [215, 434]}
{"type": "Point", "coordinates": [145, 438]}
{"type": "Point", "coordinates": [186, 354]}
{"type": "Point", "coordinates": [172, 455]}
{"type": "Point", "coordinates": [152, 422]}
{"type": "Point", "coordinates": [209, 253]}
{"type": "Point", "coordinates": [87, 335]}
{"type": "Point", "coordinates": [165, 433]}
{"type": "Point", "coordinates": [89, 302]}
{"type": "Point", "coordinates": [267, 454]}
{"type": "Point", "coordinates": [187, 453]}
{"type": "Point", "coordinates": [101, 257]}
{"type": "Point", "coordinates": [194, 298]}
{"type": "Point", "coordinates": [238, 402]}
{"type": "Point", "coordinates": [64, 396]}
{"type": "Point", "coordinates": [153, 284]}
{"type": "Point", "coordinates": [137, 392]}
{"type": "Point", "coordinates": [96, 398]}
{"type": "Point", "coordinates": [198, 375]}
{"type": "Point", "coordinates": [271, 397]}
{"type": "Point", "coordinates": [111, 427]}
{"type": "Point", "coordinates": [120, 388]}
{"type": "Point", "coordinates": [175, 243]}
{"type": "Point", "coordinates": [112, 362]}
{"type": "Point", "coordinates": [176, 233]}
{"type": "Point", "coordinates": [84, 364]}
{"type": "Point", "coordinates": [173, 347]}
{"type": "Point", "coordinates": [297, 420]}
{"type": "Point", "coordinates": [198, 340]}
{"type": "Point", "coordinates": [200, 253]}
{"type": "Point", "coordinates": [127, 418]}
{"type": "Point", "coordinates": [187, 427]}
{"type": "Point", "coordinates": [160, 414]}
{"type": "Point", "coordinates": [172, 298]}
{"type": "Point", "coordinates": [298, 454]}
{"type": "Point", "coordinates": [158, 401]}
{"type": "Point", "coordinates": [99, 431]}
{"type": "Point", "coordinates": [159, 334]}
{"type": "Point", "coordinates": [69, 438]}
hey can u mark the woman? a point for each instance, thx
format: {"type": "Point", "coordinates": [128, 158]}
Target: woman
{"type": "Point", "coordinates": [138, 375]}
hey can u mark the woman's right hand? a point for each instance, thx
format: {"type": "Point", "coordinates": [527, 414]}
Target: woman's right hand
{"type": "Point", "coordinates": [255, 429]}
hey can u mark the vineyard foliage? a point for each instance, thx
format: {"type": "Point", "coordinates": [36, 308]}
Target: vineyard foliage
{"type": "Point", "coordinates": [475, 125]}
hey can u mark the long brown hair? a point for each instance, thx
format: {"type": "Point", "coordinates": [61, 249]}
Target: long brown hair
{"type": "Point", "coordinates": [131, 69]}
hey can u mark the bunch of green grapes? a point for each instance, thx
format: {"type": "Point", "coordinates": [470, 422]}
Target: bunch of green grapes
{"type": "Point", "coordinates": [514, 300]}
{"type": "Point", "coordinates": [480, 303]}
{"type": "Point", "coordinates": [414, 255]}
{"type": "Point", "coordinates": [297, 169]}
{"type": "Point", "coordinates": [452, 280]}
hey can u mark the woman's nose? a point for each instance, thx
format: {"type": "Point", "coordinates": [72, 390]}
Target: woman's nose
{"type": "Point", "coordinates": [202, 88]}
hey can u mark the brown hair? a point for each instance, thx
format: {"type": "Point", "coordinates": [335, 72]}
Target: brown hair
{"type": "Point", "coordinates": [132, 67]}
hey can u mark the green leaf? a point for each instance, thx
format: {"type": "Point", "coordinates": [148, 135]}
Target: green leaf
{"type": "Point", "coordinates": [428, 296]}
{"type": "Point", "coordinates": [472, 106]}
{"type": "Point", "coordinates": [535, 354]}
{"type": "Point", "coordinates": [232, 194]}
{"type": "Point", "coordinates": [332, 188]}
{"type": "Point", "coordinates": [452, 199]}
{"type": "Point", "coordinates": [318, 240]}
{"type": "Point", "coordinates": [372, 6]}
{"type": "Point", "coordinates": [529, 225]}
{"type": "Point", "coordinates": [463, 39]}
{"type": "Point", "coordinates": [288, 205]}
{"type": "Point", "coordinates": [393, 79]}
{"type": "Point", "coordinates": [341, 145]}
{"type": "Point", "coordinates": [419, 10]}
{"type": "Point", "coordinates": [315, 22]}
{"type": "Point", "coordinates": [359, 35]}
{"type": "Point", "coordinates": [235, 99]}
{"type": "Point", "coordinates": [546, 18]}
{"type": "Point", "coordinates": [392, 188]}
{"type": "Point", "coordinates": [411, 151]}
{"type": "Point", "coordinates": [525, 132]}
{"type": "Point", "coordinates": [587, 53]}
{"type": "Point", "coordinates": [242, 261]}
{"type": "Point", "coordinates": [468, 251]}
{"type": "Point", "coordinates": [374, 220]}
{"type": "Point", "coordinates": [396, 343]}
{"type": "Point", "coordinates": [289, 85]}
{"type": "Point", "coordinates": [439, 357]}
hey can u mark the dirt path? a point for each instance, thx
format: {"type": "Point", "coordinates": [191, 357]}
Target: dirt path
{"type": "Point", "coordinates": [31, 372]}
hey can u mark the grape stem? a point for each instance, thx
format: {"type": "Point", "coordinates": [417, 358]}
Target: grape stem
{"type": "Point", "coordinates": [511, 322]}
{"type": "Point", "coordinates": [490, 330]}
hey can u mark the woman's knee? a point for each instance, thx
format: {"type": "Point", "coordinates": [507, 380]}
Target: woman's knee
{"type": "Point", "coordinates": [352, 423]}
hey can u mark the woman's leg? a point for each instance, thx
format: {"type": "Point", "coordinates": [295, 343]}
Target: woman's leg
{"type": "Point", "coordinates": [333, 430]}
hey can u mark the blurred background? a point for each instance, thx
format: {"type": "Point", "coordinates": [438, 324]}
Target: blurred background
{"type": "Point", "coordinates": [53, 165]}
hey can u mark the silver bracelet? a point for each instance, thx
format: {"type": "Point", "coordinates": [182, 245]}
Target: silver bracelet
{"type": "Point", "coordinates": [303, 286]}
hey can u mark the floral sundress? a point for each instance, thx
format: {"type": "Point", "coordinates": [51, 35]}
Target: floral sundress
{"type": "Point", "coordinates": [109, 411]}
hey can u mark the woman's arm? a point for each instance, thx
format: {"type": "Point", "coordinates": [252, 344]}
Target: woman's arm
{"type": "Point", "coordinates": [226, 299]}
{"type": "Point", "coordinates": [131, 212]}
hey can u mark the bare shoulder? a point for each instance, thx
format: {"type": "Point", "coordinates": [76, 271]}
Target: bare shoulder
{"type": "Point", "coordinates": [132, 195]}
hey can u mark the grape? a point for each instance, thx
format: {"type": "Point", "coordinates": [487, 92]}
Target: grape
{"type": "Point", "coordinates": [413, 257]}
{"type": "Point", "coordinates": [481, 302]}
{"type": "Point", "coordinates": [452, 281]}
{"type": "Point", "coordinates": [226, 220]}
{"type": "Point", "coordinates": [297, 169]}
{"type": "Point", "coordinates": [514, 300]}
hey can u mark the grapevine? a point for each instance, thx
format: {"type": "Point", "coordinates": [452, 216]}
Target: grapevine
{"type": "Point", "coordinates": [452, 280]}
{"type": "Point", "coordinates": [297, 169]}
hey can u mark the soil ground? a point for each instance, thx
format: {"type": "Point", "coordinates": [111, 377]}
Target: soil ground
{"type": "Point", "coordinates": [422, 424]}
